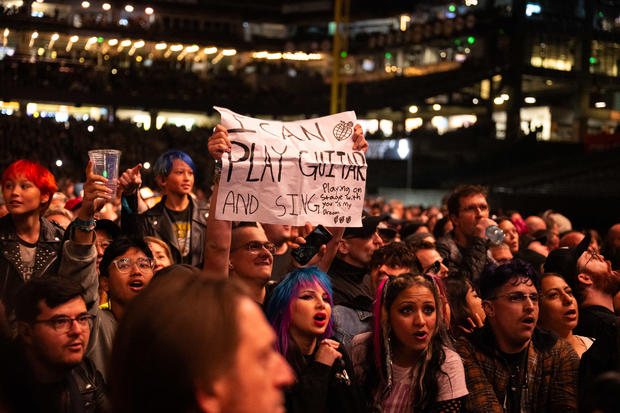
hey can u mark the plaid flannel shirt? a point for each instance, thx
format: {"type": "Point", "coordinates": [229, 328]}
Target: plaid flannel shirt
{"type": "Point", "coordinates": [552, 367]}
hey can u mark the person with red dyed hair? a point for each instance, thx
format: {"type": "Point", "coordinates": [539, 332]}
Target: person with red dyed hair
{"type": "Point", "coordinates": [32, 246]}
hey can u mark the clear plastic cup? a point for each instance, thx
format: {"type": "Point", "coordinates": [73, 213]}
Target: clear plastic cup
{"type": "Point", "coordinates": [105, 163]}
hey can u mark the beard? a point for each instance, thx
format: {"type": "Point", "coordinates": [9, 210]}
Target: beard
{"type": "Point", "coordinates": [608, 282]}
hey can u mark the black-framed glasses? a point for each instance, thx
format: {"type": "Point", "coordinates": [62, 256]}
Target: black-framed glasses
{"type": "Point", "coordinates": [517, 297]}
{"type": "Point", "coordinates": [144, 264]}
{"type": "Point", "coordinates": [255, 247]}
{"type": "Point", "coordinates": [63, 323]}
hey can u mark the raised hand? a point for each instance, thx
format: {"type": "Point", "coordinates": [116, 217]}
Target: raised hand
{"type": "Point", "coordinates": [359, 142]}
{"type": "Point", "coordinates": [327, 352]}
{"type": "Point", "coordinates": [219, 143]}
{"type": "Point", "coordinates": [131, 180]}
{"type": "Point", "coordinates": [96, 193]}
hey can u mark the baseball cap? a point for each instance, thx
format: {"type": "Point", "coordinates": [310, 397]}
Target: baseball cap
{"type": "Point", "coordinates": [564, 261]}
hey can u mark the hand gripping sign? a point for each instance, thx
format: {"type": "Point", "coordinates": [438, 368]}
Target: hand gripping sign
{"type": "Point", "coordinates": [292, 172]}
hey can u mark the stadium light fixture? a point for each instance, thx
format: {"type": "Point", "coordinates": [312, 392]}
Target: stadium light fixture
{"type": "Point", "coordinates": [148, 11]}
{"type": "Point", "coordinates": [229, 52]}
{"type": "Point", "coordinates": [106, 6]}
{"type": "Point", "coordinates": [161, 46]}
{"type": "Point", "coordinates": [210, 50]}
{"type": "Point", "coordinates": [85, 4]}
{"type": "Point", "coordinates": [129, 8]}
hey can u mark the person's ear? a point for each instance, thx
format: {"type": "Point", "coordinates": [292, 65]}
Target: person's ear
{"type": "Point", "coordinates": [584, 279]}
{"type": "Point", "coordinates": [161, 181]}
{"type": "Point", "coordinates": [211, 401]}
{"type": "Point", "coordinates": [104, 282]}
{"type": "Point", "coordinates": [488, 308]}
{"type": "Point", "coordinates": [45, 198]}
{"type": "Point", "coordinates": [453, 219]}
{"type": "Point", "coordinates": [343, 247]}
{"type": "Point", "coordinates": [24, 330]}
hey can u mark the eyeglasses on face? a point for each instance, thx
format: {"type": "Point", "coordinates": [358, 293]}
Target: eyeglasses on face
{"type": "Point", "coordinates": [255, 247]}
{"type": "Point", "coordinates": [475, 207]}
{"type": "Point", "coordinates": [518, 297]}
{"type": "Point", "coordinates": [63, 323]}
{"type": "Point", "coordinates": [126, 264]}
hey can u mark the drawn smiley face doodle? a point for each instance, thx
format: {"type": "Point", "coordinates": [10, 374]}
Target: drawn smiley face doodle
{"type": "Point", "coordinates": [343, 130]}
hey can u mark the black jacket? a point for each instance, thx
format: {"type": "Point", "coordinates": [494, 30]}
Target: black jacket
{"type": "Point", "coordinates": [157, 223]}
{"type": "Point", "coordinates": [80, 391]}
{"type": "Point", "coordinates": [47, 257]}
{"type": "Point", "coordinates": [323, 389]}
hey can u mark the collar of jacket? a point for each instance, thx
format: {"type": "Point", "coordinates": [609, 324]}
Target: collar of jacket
{"type": "Point", "coordinates": [484, 339]}
{"type": "Point", "coordinates": [198, 212]}
{"type": "Point", "coordinates": [49, 232]}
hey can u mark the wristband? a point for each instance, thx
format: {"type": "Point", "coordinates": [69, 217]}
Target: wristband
{"type": "Point", "coordinates": [217, 172]}
{"type": "Point", "coordinates": [85, 226]}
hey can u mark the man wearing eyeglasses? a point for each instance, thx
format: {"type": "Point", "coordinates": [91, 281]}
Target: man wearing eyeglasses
{"type": "Point", "coordinates": [510, 365]}
{"type": "Point", "coordinates": [45, 369]}
{"type": "Point", "coordinates": [464, 250]}
{"type": "Point", "coordinates": [125, 269]}
{"type": "Point", "coordinates": [590, 275]}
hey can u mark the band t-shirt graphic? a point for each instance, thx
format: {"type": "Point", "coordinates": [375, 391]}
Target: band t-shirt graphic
{"type": "Point", "coordinates": [182, 225]}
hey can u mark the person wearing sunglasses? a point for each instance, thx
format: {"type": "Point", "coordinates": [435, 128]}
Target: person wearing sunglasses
{"type": "Point", "coordinates": [404, 365]}
{"type": "Point", "coordinates": [126, 268]}
{"type": "Point", "coordinates": [44, 368]}
{"type": "Point", "coordinates": [510, 364]}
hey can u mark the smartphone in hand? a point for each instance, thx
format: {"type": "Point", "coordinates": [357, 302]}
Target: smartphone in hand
{"type": "Point", "coordinates": [318, 237]}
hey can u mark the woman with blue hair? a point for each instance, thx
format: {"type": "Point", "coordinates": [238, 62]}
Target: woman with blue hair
{"type": "Point", "coordinates": [300, 312]}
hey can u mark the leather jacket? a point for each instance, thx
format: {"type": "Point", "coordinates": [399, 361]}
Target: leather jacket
{"type": "Point", "coordinates": [82, 388]}
{"type": "Point", "coordinates": [156, 222]}
{"type": "Point", "coordinates": [47, 257]}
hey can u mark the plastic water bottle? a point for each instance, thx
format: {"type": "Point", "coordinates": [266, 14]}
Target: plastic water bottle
{"type": "Point", "coordinates": [495, 234]}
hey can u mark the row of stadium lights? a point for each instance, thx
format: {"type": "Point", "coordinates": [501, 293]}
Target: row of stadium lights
{"type": "Point", "coordinates": [162, 46]}
{"type": "Point", "coordinates": [107, 7]}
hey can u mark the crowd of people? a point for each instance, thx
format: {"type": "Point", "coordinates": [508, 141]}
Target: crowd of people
{"type": "Point", "coordinates": [111, 302]}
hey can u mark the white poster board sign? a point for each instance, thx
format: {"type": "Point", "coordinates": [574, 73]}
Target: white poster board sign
{"type": "Point", "coordinates": [292, 172]}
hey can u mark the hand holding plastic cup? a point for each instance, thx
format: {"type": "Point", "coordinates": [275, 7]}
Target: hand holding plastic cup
{"type": "Point", "coordinates": [105, 163]}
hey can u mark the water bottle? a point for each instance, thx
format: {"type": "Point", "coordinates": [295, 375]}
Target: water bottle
{"type": "Point", "coordinates": [495, 234]}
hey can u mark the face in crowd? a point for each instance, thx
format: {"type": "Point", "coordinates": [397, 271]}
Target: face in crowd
{"type": "Point", "coordinates": [251, 254]}
{"type": "Point", "coordinates": [161, 343]}
{"type": "Point", "coordinates": [472, 209]}
{"type": "Point", "coordinates": [596, 271]}
{"type": "Point", "coordinates": [512, 236]}
{"type": "Point", "coordinates": [22, 196]}
{"type": "Point", "coordinates": [58, 336]}
{"type": "Point", "coordinates": [259, 374]}
{"type": "Point", "coordinates": [357, 251]}
{"type": "Point", "coordinates": [558, 306]}
{"type": "Point", "coordinates": [431, 262]}
{"type": "Point", "coordinates": [127, 275]}
{"type": "Point", "coordinates": [413, 320]}
{"type": "Point", "coordinates": [159, 255]}
{"type": "Point", "coordinates": [311, 311]}
{"type": "Point", "coordinates": [513, 313]}
{"type": "Point", "coordinates": [180, 180]}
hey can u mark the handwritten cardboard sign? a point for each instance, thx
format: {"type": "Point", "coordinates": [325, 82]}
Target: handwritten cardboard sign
{"type": "Point", "coordinates": [292, 172]}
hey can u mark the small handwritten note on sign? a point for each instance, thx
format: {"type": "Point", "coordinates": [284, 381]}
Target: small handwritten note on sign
{"type": "Point", "coordinates": [292, 172]}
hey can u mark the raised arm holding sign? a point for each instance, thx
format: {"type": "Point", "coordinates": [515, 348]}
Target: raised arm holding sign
{"type": "Point", "coordinates": [220, 236]}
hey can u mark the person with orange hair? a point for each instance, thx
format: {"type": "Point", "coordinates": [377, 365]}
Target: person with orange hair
{"type": "Point", "coordinates": [30, 244]}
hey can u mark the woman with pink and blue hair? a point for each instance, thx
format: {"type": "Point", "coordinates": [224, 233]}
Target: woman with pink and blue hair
{"type": "Point", "coordinates": [405, 364]}
{"type": "Point", "coordinates": [300, 312]}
